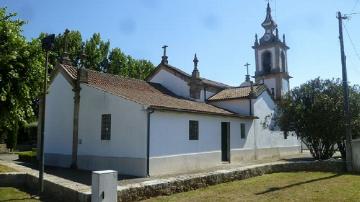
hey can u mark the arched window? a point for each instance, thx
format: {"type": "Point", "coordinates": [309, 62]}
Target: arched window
{"type": "Point", "coordinates": [266, 62]}
{"type": "Point", "coordinates": [283, 62]}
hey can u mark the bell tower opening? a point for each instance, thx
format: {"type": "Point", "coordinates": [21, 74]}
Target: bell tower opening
{"type": "Point", "coordinates": [266, 62]}
{"type": "Point", "coordinates": [283, 62]}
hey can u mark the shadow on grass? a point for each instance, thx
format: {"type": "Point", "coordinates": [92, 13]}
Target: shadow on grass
{"type": "Point", "coordinates": [32, 196]}
{"type": "Point", "coordinates": [272, 189]}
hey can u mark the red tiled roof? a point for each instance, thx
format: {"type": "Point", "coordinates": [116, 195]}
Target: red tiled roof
{"type": "Point", "coordinates": [237, 93]}
{"type": "Point", "coordinates": [146, 93]}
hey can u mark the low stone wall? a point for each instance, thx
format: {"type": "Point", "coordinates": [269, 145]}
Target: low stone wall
{"type": "Point", "coordinates": [57, 191]}
{"type": "Point", "coordinates": [184, 183]}
{"type": "Point", "coordinates": [3, 148]}
{"type": "Point", "coordinates": [65, 190]}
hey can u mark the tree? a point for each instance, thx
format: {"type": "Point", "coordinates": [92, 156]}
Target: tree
{"type": "Point", "coordinates": [96, 51]}
{"type": "Point", "coordinates": [117, 62]}
{"type": "Point", "coordinates": [314, 111]}
{"type": "Point", "coordinates": [125, 65]}
{"type": "Point", "coordinates": [74, 46]}
{"type": "Point", "coordinates": [22, 67]}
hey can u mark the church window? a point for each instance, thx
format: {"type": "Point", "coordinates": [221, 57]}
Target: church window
{"type": "Point", "coordinates": [283, 62]}
{"type": "Point", "coordinates": [266, 62]}
{"type": "Point", "coordinates": [242, 131]}
{"type": "Point", "coordinates": [193, 130]}
{"type": "Point", "coordinates": [105, 126]}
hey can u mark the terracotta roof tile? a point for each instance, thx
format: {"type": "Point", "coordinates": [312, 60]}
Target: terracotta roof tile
{"type": "Point", "coordinates": [237, 93]}
{"type": "Point", "coordinates": [146, 93]}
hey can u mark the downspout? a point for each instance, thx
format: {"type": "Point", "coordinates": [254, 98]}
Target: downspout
{"type": "Point", "coordinates": [149, 112]}
{"type": "Point", "coordinates": [251, 96]}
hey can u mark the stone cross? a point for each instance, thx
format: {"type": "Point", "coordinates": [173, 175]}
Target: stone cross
{"type": "Point", "coordinates": [164, 47]}
{"type": "Point", "coordinates": [164, 58]}
{"type": "Point", "coordinates": [66, 40]}
{"type": "Point", "coordinates": [247, 68]}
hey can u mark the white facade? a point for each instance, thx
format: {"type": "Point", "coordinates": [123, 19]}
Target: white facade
{"type": "Point", "coordinates": [172, 82]}
{"type": "Point", "coordinates": [178, 85]}
{"type": "Point", "coordinates": [127, 144]}
{"type": "Point", "coordinates": [59, 117]}
{"type": "Point", "coordinates": [171, 151]}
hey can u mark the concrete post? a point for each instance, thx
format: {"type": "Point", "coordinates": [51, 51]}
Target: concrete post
{"type": "Point", "coordinates": [356, 155]}
{"type": "Point", "coordinates": [104, 186]}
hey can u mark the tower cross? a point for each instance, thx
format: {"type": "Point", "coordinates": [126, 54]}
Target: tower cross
{"type": "Point", "coordinates": [164, 47]}
{"type": "Point", "coordinates": [247, 68]}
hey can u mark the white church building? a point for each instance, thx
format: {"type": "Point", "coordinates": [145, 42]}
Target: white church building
{"type": "Point", "coordinates": [173, 122]}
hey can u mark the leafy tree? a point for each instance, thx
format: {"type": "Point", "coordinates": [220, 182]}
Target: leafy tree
{"type": "Point", "coordinates": [96, 51]}
{"type": "Point", "coordinates": [125, 65]}
{"type": "Point", "coordinates": [144, 68]}
{"type": "Point", "coordinates": [117, 62]}
{"type": "Point", "coordinates": [21, 70]}
{"type": "Point", "coordinates": [314, 111]}
{"type": "Point", "coordinates": [73, 43]}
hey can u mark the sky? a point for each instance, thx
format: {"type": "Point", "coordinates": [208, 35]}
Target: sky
{"type": "Point", "coordinates": [220, 32]}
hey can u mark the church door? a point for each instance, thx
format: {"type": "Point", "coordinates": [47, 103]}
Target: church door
{"type": "Point", "coordinates": [225, 141]}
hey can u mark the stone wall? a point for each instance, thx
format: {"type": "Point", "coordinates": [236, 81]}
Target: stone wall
{"type": "Point", "coordinates": [57, 191]}
{"type": "Point", "coordinates": [355, 145]}
{"type": "Point", "coordinates": [64, 190]}
{"type": "Point", "coordinates": [3, 148]}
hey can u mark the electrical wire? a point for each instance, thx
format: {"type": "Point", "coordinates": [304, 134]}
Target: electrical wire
{"type": "Point", "coordinates": [352, 44]}
{"type": "Point", "coordinates": [354, 7]}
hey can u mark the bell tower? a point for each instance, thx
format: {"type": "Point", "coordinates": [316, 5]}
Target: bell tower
{"type": "Point", "coordinates": [271, 58]}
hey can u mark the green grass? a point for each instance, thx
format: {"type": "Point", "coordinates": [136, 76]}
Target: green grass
{"type": "Point", "coordinates": [14, 194]}
{"type": "Point", "coordinates": [292, 186]}
{"type": "Point", "coordinates": [4, 169]}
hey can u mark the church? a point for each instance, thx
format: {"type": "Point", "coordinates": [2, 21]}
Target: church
{"type": "Point", "coordinates": [173, 122]}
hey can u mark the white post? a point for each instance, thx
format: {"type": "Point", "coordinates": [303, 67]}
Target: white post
{"type": "Point", "coordinates": [104, 186]}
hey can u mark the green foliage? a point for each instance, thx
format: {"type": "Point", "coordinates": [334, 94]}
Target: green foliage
{"type": "Point", "coordinates": [74, 46]}
{"type": "Point", "coordinates": [96, 51]}
{"type": "Point", "coordinates": [21, 65]}
{"type": "Point", "coordinates": [27, 156]}
{"type": "Point", "coordinates": [314, 111]}
{"type": "Point", "coordinates": [97, 56]}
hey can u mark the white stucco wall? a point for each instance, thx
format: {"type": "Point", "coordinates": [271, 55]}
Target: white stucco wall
{"type": "Point", "coordinates": [271, 83]}
{"type": "Point", "coordinates": [266, 137]}
{"type": "Point", "coordinates": [58, 116]}
{"type": "Point", "coordinates": [172, 82]}
{"type": "Point", "coordinates": [170, 133]}
{"type": "Point", "coordinates": [285, 87]}
{"type": "Point", "coordinates": [128, 125]}
{"type": "Point", "coordinates": [240, 106]}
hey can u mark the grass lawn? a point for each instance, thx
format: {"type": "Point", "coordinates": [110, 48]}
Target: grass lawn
{"type": "Point", "coordinates": [4, 169]}
{"type": "Point", "coordinates": [14, 194]}
{"type": "Point", "coordinates": [292, 186]}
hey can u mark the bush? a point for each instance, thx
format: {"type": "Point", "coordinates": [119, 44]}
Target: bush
{"type": "Point", "coordinates": [28, 156]}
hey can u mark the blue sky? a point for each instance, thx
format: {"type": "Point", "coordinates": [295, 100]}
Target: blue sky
{"type": "Point", "coordinates": [220, 32]}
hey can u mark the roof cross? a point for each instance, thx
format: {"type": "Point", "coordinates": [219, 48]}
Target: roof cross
{"type": "Point", "coordinates": [164, 47]}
